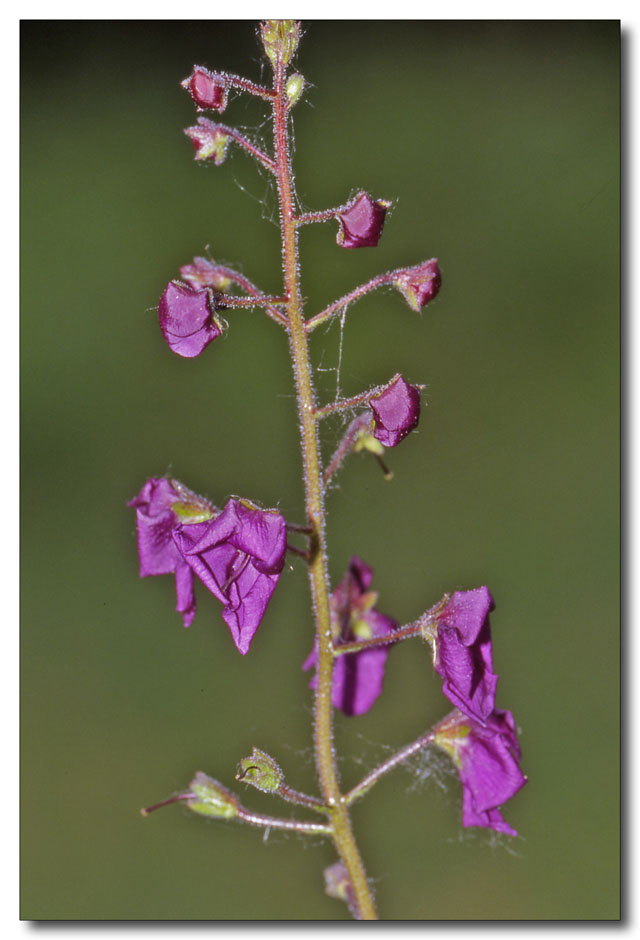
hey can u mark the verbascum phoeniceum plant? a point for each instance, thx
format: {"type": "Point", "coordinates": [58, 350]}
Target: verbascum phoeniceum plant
{"type": "Point", "coordinates": [238, 550]}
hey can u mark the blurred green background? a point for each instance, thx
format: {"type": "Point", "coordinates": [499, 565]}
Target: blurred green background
{"type": "Point", "coordinates": [499, 144]}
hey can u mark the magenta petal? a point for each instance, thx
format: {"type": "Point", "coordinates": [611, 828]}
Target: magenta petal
{"type": "Point", "coordinates": [487, 759]}
{"type": "Point", "coordinates": [357, 677]}
{"type": "Point", "coordinates": [238, 556]}
{"type": "Point", "coordinates": [463, 653]}
{"type": "Point", "coordinates": [361, 222]}
{"type": "Point", "coordinates": [155, 524]}
{"type": "Point", "coordinates": [187, 319]}
{"type": "Point", "coordinates": [396, 412]}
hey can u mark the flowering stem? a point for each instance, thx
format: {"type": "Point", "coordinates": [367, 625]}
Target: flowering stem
{"type": "Point", "coordinates": [398, 758]}
{"type": "Point", "coordinates": [318, 575]}
{"type": "Point", "coordinates": [355, 294]}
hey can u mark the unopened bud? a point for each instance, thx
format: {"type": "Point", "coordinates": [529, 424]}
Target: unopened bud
{"type": "Point", "coordinates": [294, 88]}
{"type": "Point", "coordinates": [261, 771]}
{"type": "Point", "coordinates": [361, 222]}
{"type": "Point", "coordinates": [280, 39]}
{"type": "Point", "coordinates": [210, 798]}
{"type": "Point", "coordinates": [208, 89]}
{"type": "Point", "coordinates": [420, 284]}
{"type": "Point", "coordinates": [204, 273]}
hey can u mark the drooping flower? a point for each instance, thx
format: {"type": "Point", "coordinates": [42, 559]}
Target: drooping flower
{"type": "Point", "coordinates": [238, 556]}
{"type": "Point", "coordinates": [357, 677]}
{"type": "Point", "coordinates": [362, 221]}
{"type": "Point", "coordinates": [461, 642]}
{"type": "Point", "coordinates": [396, 412]}
{"type": "Point", "coordinates": [204, 273]}
{"type": "Point", "coordinates": [487, 758]}
{"type": "Point", "coordinates": [420, 284]}
{"type": "Point", "coordinates": [161, 505]}
{"type": "Point", "coordinates": [208, 89]}
{"type": "Point", "coordinates": [188, 318]}
{"type": "Point", "coordinates": [209, 140]}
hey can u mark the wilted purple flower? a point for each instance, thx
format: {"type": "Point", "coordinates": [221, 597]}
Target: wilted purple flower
{"type": "Point", "coordinates": [188, 318]}
{"type": "Point", "coordinates": [420, 284]}
{"type": "Point", "coordinates": [396, 412]}
{"type": "Point", "coordinates": [357, 677]}
{"type": "Point", "coordinates": [208, 89]}
{"type": "Point", "coordinates": [238, 556]}
{"type": "Point", "coordinates": [487, 760]}
{"type": "Point", "coordinates": [461, 640]}
{"type": "Point", "coordinates": [209, 140]}
{"type": "Point", "coordinates": [204, 273]}
{"type": "Point", "coordinates": [361, 222]}
{"type": "Point", "coordinates": [161, 505]}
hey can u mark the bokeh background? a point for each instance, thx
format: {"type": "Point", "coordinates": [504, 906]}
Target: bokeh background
{"type": "Point", "coordinates": [499, 144]}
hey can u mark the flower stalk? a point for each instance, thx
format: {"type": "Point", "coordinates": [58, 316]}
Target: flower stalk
{"type": "Point", "coordinates": [314, 501]}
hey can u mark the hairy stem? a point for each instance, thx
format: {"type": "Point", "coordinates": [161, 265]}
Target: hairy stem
{"type": "Point", "coordinates": [398, 758]}
{"type": "Point", "coordinates": [318, 575]}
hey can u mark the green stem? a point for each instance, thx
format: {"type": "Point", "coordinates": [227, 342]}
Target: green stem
{"type": "Point", "coordinates": [342, 832]}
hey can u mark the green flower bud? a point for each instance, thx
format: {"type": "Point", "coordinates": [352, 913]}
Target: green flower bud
{"type": "Point", "coordinates": [210, 798]}
{"type": "Point", "coordinates": [294, 87]}
{"type": "Point", "coordinates": [280, 39]}
{"type": "Point", "coordinates": [260, 771]}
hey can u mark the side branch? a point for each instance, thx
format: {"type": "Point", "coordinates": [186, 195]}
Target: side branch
{"type": "Point", "coordinates": [246, 144]}
{"type": "Point", "coordinates": [243, 84]}
{"type": "Point", "coordinates": [355, 294]}
{"type": "Point", "coordinates": [398, 758]}
{"type": "Point", "coordinates": [276, 822]}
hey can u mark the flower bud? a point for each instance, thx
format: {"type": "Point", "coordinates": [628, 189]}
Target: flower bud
{"type": "Point", "coordinates": [188, 319]}
{"type": "Point", "coordinates": [280, 39]}
{"type": "Point", "coordinates": [260, 771]}
{"type": "Point", "coordinates": [294, 88]}
{"type": "Point", "coordinates": [420, 284]}
{"type": "Point", "coordinates": [204, 273]}
{"type": "Point", "coordinates": [396, 412]}
{"type": "Point", "coordinates": [210, 798]}
{"type": "Point", "coordinates": [362, 221]}
{"type": "Point", "coordinates": [208, 89]}
{"type": "Point", "coordinates": [209, 141]}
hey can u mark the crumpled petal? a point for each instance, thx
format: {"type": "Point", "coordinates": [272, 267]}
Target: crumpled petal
{"type": "Point", "coordinates": [396, 412]}
{"type": "Point", "coordinates": [187, 319]}
{"type": "Point", "coordinates": [239, 557]}
{"type": "Point", "coordinates": [463, 653]}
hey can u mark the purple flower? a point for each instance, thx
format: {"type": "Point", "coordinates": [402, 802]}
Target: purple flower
{"type": "Point", "coordinates": [396, 412]}
{"type": "Point", "coordinates": [188, 319]}
{"type": "Point", "coordinates": [209, 140]}
{"type": "Point", "coordinates": [357, 677]}
{"type": "Point", "coordinates": [461, 640]}
{"type": "Point", "coordinates": [238, 556]}
{"type": "Point", "coordinates": [160, 506]}
{"type": "Point", "coordinates": [208, 89]}
{"type": "Point", "coordinates": [361, 222]}
{"type": "Point", "coordinates": [204, 273]}
{"type": "Point", "coordinates": [420, 284]}
{"type": "Point", "coordinates": [487, 760]}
